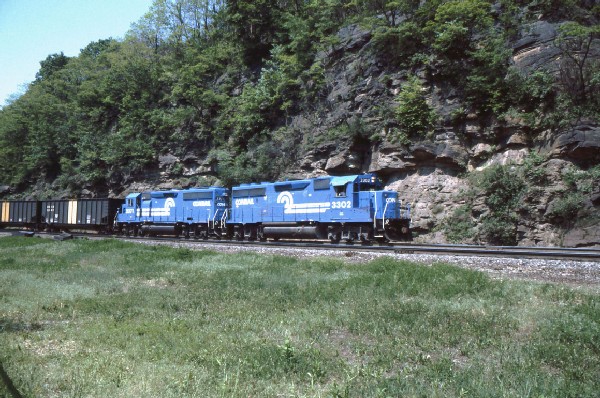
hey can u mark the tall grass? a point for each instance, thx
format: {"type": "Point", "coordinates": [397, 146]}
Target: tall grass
{"type": "Point", "coordinates": [107, 318]}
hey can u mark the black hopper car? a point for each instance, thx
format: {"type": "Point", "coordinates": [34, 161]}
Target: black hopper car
{"type": "Point", "coordinates": [60, 215]}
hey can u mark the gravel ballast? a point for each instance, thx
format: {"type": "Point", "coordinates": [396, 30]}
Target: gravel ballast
{"type": "Point", "coordinates": [577, 273]}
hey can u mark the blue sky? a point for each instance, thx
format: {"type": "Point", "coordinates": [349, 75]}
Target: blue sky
{"type": "Point", "coordinates": [30, 30]}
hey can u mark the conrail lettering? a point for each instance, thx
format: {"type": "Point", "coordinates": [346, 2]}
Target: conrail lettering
{"type": "Point", "coordinates": [244, 202]}
{"type": "Point", "coordinates": [201, 203]}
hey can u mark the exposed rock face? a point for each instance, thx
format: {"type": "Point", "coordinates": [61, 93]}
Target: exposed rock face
{"type": "Point", "coordinates": [535, 48]}
{"type": "Point", "coordinates": [581, 144]}
{"type": "Point", "coordinates": [432, 192]}
{"type": "Point", "coordinates": [429, 172]}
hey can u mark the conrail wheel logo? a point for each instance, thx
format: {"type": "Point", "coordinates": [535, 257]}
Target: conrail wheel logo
{"type": "Point", "coordinates": [164, 211]}
{"type": "Point", "coordinates": [286, 198]}
{"type": "Point", "coordinates": [169, 202]}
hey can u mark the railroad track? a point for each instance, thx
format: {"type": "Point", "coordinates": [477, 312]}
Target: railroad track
{"type": "Point", "coordinates": [549, 253]}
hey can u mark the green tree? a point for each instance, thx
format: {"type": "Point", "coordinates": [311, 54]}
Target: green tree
{"type": "Point", "coordinates": [414, 115]}
{"type": "Point", "coordinates": [52, 64]}
{"type": "Point", "coordinates": [255, 25]}
{"type": "Point", "coordinates": [580, 67]}
{"type": "Point", "coordinates": [455, 25]}
{"type": "Point", "coordinates": [502, 187]}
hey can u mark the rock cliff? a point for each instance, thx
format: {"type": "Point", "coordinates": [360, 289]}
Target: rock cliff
{"type": "Point", "coordinates": [348, 132]}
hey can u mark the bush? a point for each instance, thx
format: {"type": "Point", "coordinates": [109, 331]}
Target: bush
{"type": "Point", "coordinates": [566, 207]}
{"type": "Point", "coordinates": [459, 226]}
{"type": "Point", "coordinates": [397, 46]}
{"type": "Point", "coordinates": [500, 230]}
{"type": "Point", "coordinates": [414, 114]}
{"type": "Point", "coordinates": [503, 188]}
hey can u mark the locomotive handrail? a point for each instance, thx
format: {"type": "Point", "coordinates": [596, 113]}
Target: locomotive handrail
{"type": "Point", "coordinates": [375, 214]}
{"type": "Point", "coordinates": [224, 218]}
{"type": "Point", "coordinates": [383, 218]}
{"type": "Point", "coordinates": [214, 217]}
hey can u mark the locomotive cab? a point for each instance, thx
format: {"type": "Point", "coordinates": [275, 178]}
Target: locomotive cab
{"type": "Point", "coordinates": [364, 210]}
{"type": "Point", "coordinates": [130, 208]}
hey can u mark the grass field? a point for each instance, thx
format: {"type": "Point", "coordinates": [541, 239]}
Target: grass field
{"type": "Point", "coordinates": [112, 319]}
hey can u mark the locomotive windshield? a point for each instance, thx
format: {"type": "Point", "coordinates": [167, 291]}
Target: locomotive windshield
{"type": "Point", "coordinates": [368, 183]}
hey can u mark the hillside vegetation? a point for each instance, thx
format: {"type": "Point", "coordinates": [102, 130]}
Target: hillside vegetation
{"type": "Point", "coordinates": [203, 92]}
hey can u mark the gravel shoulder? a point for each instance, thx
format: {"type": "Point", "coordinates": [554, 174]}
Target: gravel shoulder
{"type": "Point", "coordinates": [573, 273]}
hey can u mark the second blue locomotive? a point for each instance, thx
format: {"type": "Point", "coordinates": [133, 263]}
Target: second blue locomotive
{"type": "Point", "coordinates": [350, 208]}
{"type": "Point", "coordinates": [197, 212]}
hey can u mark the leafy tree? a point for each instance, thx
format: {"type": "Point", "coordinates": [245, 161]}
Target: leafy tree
{"type": "Point", "coordinates": [397, 46]}
{"type": "Point", "coordinates": [52, 64]}
{"type": "Point", "coordinates": [456, 24]}
{"type": "Point", "coordinates": [254, 24]}
{"type": "Point", "coordinates": [414, 115]}
{"type": "Point", "coordinates": [485, 86]}
{"type": "Point", "coordinates": [580, 68]}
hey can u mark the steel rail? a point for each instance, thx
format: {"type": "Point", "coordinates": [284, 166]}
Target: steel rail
{"type": "Point", "coordinates": [558, 253]}
{"type": "Point", "coordinates": [578, 254]}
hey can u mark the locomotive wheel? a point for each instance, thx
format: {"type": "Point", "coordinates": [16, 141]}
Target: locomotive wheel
{"type": "Point", "coordinates": [335, 237]}
{"type": "Point", "coordinates": [364, 238]}
{"type": "Point", "coordinates": [261, 236]}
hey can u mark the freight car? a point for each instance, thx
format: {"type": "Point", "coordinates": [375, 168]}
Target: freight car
{"type": "Point", "coordinates": [351, 208]}
{"type": "Point", "coordinates": [60, 215]}
{"type": "Point", "coordinates": [20, 213]}
{"type": "Point", "coordinates": [79, 214]}
{"type": "Point", "coordinates": [197, 212]}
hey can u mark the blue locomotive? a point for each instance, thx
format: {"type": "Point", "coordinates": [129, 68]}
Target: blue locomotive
{"type": "Point", "coordinates": [352, 208]}
{"type": "Point", "coordinates": [197, 212]}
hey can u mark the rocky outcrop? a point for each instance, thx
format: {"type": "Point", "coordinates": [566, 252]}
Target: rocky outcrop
{"type": "Point", "coordinates": [428, 173]}
{"type": "Point", "coordinates": [348, 132]}
{"type": "Point", "coordinates": [580, 144]}
{"type": "Point", "coordinates": [535, 47]}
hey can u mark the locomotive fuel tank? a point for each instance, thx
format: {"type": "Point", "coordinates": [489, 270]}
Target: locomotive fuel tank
{"type": "Point", "coordinates": [294, 231]}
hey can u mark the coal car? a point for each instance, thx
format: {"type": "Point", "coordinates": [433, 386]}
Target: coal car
{"type": "Point", "coordinates": [78, 214]}
{"type": "Point", "coordinates": [20, 213]}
